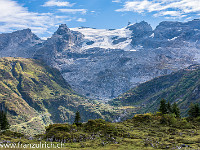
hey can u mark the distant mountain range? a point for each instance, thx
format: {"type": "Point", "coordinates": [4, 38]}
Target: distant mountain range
{"type": "Point", "coordinates": [103, 64]}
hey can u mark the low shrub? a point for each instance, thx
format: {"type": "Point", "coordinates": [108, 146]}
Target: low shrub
{"type": "Point", "coordinates": [169, 119]}
{"type": "Point", "coordinates": [143, 117]}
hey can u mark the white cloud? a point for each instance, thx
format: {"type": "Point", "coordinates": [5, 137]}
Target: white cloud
{"type": "Point", "coordinates": [73, 11]}
{"type": "Point", "coordinates": [81, 20]}
{"type": "Point", "coordinates": [172, 8]}
{"type": "Point", "coordinates": [116, 1]}
{"type": "Point", "coordinates": [169, 13]}
{"type": "Point", "coordinates": [57, 3]}
{"type": "Point", "coordinates": [16, 17]}
{"type": "Point", "coordinates": [13, 16]}
{"type": "Point", "coordinates": [61, 17]}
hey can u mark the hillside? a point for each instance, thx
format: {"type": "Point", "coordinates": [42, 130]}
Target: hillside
{"type": "Point", "coordinates": [35, 95]}
{"type": "Point", "coordinates": [182, 87]}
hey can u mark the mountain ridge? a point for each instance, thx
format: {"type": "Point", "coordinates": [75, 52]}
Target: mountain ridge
{"type": "Point", "coordinates": [103, 64]}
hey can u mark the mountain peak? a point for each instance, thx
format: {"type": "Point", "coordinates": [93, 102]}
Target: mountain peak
{"type": "Point", "coordinates": [196, 20]}
{"type": "Point", "coordinates": [144, 26]}
{"type": "Point", "coordinates": [63, 26]}
{"type": "Point", "coordinates": [62, 29]}
{"type": "Point", "coordinates": [24, 31]}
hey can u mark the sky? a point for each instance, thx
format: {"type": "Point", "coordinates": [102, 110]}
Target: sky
{"type": "Point", "coordinates": [44, 16]}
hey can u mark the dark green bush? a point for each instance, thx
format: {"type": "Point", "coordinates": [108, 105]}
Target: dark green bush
{"type": "Point", "coordinates": [95, 125]}
{"type": "Point", "coordinates": [169, 119]}
{"type": "Point", "coordinates": [143, 117]}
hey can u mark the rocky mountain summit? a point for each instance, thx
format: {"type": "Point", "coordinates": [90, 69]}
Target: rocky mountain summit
{"type": "Point", "coordinates": [103, 64]}
{"type": "Point", "coordinates": [55, 48]}
{"type": "Point", "coordinates": [18, 44]}
{"type": "Point", "coordinates": [140, 32]}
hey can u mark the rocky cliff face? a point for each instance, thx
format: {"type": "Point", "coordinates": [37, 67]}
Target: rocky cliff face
{"type": "Point", "coordinates": [100, 71]}
{"type": "Point", "coordinates": [103, 64]}
{"type": "Point", "coordinates": [18, 44]}
{"type": "Point", "coordinates": [55, 48]}
{"type": "Point", "coordinates": [140, 32]}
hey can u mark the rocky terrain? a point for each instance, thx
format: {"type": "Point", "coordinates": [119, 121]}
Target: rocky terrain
{"type": "Point", "coordinates": [103, 64]}
{"type": "Point", "coordinates": [18, 44]}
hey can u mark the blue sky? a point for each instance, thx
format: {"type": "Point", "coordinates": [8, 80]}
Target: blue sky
{"type": "Point", "coordinates": [44, 16]}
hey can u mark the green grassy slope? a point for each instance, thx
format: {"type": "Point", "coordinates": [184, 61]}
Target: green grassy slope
{"type": "Point", "coordinates": [142, 132]}
{"type": "Point", "coordinates": [35, 95]}
{"type": "Point", "coordinates": [182, 87]}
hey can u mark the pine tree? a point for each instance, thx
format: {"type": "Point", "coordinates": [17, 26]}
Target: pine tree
{"type": "Point", "coordinates": [77, 119]}
{"type": "Point", "coordinates": [176, 110]}
{"type": "Point", "coordinates": [3, 121]}
{"type": "Point", "coordinates": [169, 108]}
{"type": "Point", "coordinates": [1, 118]}
{"type": "Point", "coordinates": [163, 106]}
{"type": "Point", "coordinates": [194, 111]}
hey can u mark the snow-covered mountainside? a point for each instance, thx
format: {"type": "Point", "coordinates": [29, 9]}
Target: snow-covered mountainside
{"type": "Point", "coordinates": [103, 64]}
{"type": "Point", "coordinates": [107, 39]}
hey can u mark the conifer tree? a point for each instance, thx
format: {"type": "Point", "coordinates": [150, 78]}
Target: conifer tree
{"type": "Point", "coordinates": [169, 108]}
{"type": "Point", "coordinates": [163, 106]}
{"type": "Point", "coordinates": [194, 111]}
{"type": "Point", "coordinates": [176, 110]}
{"type": "Point", "coordinates": [3, 121]}
{"type": "Point", "coordinates": [1, 118]}
{"type": "Point", "coordinates": [77, 119]}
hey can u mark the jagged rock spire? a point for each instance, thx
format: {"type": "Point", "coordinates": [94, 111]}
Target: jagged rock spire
{"type": "Point", "coordinates": [63, 29]}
